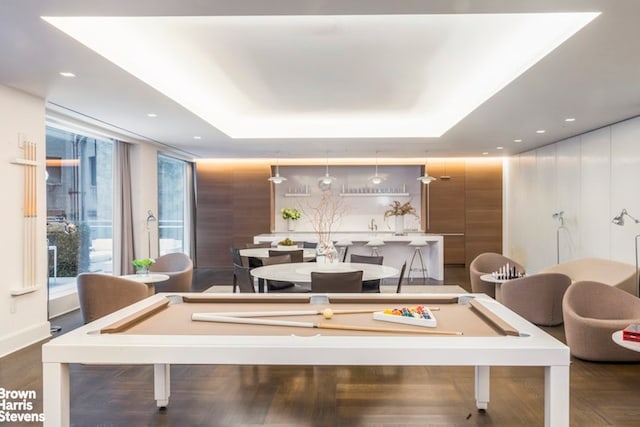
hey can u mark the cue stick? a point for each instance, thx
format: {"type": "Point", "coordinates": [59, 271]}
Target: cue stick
{"type": "Point", "coordinates": [295, 312]}
{"type": "Point", "coordinates": [224, 319]}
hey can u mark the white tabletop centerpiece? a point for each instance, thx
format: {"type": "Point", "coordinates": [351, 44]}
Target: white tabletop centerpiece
{"type": "Point", "coordinates": [398, 211]}
{"type": "Point", "coordinates": [324, 215]}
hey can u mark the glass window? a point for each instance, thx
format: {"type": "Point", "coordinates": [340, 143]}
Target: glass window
{"type": "Point", "coordinates": [79, 205]}
{"type": "Point", "coordinates": [173, 204]}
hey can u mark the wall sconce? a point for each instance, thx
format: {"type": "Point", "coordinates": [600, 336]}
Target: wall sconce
{"type": "Point", "coordinates": [619, 220]}
{"type": "Point", "coordinates": [150, 219]}
{"type": "Point", "coordinates": [559, 216]}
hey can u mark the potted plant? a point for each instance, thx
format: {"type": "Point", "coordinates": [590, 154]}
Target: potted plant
{"type": "Point", "coordinates": [399, 210]}
{"type": "Point", "coordinates": [287, 244]}
{"type": "Point", "coordinates": [142, 265]}
{"type": "Point", "coordinates": [290, 215]}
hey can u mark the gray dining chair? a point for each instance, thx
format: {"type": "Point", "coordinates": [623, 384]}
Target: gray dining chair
{"type": "Point", "coordinates": [369, 285]}
{"type": "Point", "coordinates": [277, 285]}
{"type": "Point", "coordinates": [242, 276]}
{"type": "Point", "coordinates": [338, 282]}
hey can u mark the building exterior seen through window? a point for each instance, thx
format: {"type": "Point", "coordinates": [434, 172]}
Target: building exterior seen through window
{"type": "Point", "coordinates": [79, 182]}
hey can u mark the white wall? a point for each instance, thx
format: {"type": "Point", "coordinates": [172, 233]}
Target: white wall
{"type": "Point", "coordinates": [23, 319]}
{"type": "Point", "coordinates": [360, 210]}
{"type": "Point", "coordinates": [591, 177]}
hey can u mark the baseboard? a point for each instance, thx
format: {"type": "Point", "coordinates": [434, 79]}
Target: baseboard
{"type": "Point", "coordinates": [24, 338]}
{"type": "Point", "coordinates": [63, 304]}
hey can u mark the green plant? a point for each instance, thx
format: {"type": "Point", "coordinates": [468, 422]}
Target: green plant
{"type": "Point", "coordinates": [290, 213]}
{"type": "Point", "coordinates": [142, 263]}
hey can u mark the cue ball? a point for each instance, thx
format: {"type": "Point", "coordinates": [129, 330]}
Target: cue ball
{"type": "Point", "coordinates": [327, 313]}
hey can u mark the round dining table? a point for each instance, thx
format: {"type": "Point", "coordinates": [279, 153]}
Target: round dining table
{"type": "Point", "coordinates": [300, 272]}
{"type": "Point", "coordinates": [307, 254]}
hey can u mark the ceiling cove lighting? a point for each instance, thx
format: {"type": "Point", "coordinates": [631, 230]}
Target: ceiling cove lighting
{"type": "Point", "coordinates": [376, 179]}
{"type": "Point", "coordinates": [235, 72]}
{"type": "Point", "coordinates": [277, 179]}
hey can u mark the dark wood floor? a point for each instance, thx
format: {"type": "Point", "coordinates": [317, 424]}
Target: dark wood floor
{"type": "Point", "coordinates": [601, 394]}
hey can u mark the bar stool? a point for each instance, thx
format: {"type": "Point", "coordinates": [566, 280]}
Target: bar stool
{"type": "Point", "coordinates": [418, 244]}
{"type": "Point", "coordinates": [374, 244]}
{"type": "Point", "coordinates": [343, 247]}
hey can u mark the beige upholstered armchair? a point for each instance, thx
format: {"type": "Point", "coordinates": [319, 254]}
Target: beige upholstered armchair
{"type": "Point", "coordinates": [487, 263]}
{"type": "Point", "coordinates": [537, 298]}
{"type": "Point", "coordinates": [592, 312]}
{"type": "Point", "coordinates": [102, 294]}
{"type": "Point", "coordinates": [178, 267]}
{"type": "Point", "coordinates": [609, 272]}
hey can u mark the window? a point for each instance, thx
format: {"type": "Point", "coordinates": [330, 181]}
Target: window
{"type": "Point", "coordinates": [79, 205]}
{"type": "Point", "coordinates": [174, 204]}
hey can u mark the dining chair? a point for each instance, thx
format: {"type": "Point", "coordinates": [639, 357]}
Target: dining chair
{"type": "Point", "coordinates": [258, 245]}
{"type": "Point", "coordinates": [296, 255]}
{"type": "Point", "coordinates": [102, 294]}
{"type": "Point", "coordinates": [369, 285]}
{"type": "Point", "coordinates": [277, 285]}
{"type": "Point", "coordinates": [236, 259]}
{"type": "Point", "coordinates": [401, 277]}
{"type": "Point", "coordinates": [338, 282]}
{"type": "Point", "coordinates": [243, 277]}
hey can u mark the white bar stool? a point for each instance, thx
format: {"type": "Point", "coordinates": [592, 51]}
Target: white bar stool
{"type": "Point", "coordinates": [418, 244]}
{"type": "Point", "coordinates": [374, 244]}
{"type": "Point", "coordinates": [343, 247]}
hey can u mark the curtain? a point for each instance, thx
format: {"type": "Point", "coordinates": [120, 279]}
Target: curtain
{"type": "Point", "coordinates": [123, 226]}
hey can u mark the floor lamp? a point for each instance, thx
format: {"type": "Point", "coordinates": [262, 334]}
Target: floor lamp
{"type": "Point", "coordinates": [619, 220]}
{"type": "Point", "coordinates": [559, 216]}
{"type": "Point", "coordinates": [150, 218]}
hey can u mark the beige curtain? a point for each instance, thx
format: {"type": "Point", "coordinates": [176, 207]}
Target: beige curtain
{"type": "Point", "coordinates": [122, 212]}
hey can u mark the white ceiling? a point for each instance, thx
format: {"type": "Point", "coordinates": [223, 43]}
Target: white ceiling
{"type": "Point", "coordinates": [288, 69]}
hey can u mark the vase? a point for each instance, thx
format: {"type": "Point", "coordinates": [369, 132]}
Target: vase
{"type": "Point", "coordinates": [143, 269]}
{"type": "Point", "coordinates": [290, 224]}
{"type": "Point", "coordinates": [326, 252]}
{"type": "Point", "coordinates": [399, 225]}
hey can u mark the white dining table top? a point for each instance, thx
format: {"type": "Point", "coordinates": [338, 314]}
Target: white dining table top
{"type": "Point", "coordinates": [264, 252]}
{"type": "Point", "coordinates": [300, 272]}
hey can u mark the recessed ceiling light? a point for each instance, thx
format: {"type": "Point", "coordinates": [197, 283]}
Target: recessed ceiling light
{"type": "Point", "coordinates": [67, 74]}
{"type": "Point", "coordinates": [499, 148]}
{"type": "Point", "coordinates": [485, 153]}
{"type": "Point", "coordinates": [265, 101]}
{"type": "Point", "coordinates": [517, 140]}
{"type": "Point", "coordinates": [540, 131]}
{"type": "Point", "coordinates": [197, 137]}
{"type": "Point", "coordinates": [570, 119]}
{"type": "Point", "coordinates": [152, 115]}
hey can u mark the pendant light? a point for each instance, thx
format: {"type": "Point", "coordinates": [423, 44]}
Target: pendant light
{"type": "Point", "coordinates": [277, 179]}
{"type": "Point", "coordinates": [325, 181]}
{"type": "Point", "coordinates": [426, 179]}
{"type": "Point", "coordinates": [376, 179]}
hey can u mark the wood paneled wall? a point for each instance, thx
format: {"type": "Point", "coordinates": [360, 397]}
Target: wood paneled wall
{"type": "Point", "coordinates": [466, 208]}
{"type": "Point", "coordinates": [233, 203]}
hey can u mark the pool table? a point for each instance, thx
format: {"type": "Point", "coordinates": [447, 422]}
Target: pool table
{"type": "Point", "coordinates": [472, 330]}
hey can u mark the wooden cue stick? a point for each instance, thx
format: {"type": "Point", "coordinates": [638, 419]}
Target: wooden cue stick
{"type": "Point", "coordinates": [294, 312]}
{"type": "Point", "coordinates": [206, 317]}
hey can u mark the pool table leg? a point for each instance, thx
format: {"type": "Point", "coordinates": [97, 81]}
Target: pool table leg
{"type": "Point", "coordinates": [55, 392]}
{"type": "Point", "coordinates": [162, 386]}
{"type": "Point", "coordinates": [556, 396]}
{"type": "Point", "coordinates": [483, 384]}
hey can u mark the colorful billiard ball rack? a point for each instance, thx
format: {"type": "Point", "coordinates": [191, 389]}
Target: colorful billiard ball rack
{"type": "Point", "coordinates": [419, 316]}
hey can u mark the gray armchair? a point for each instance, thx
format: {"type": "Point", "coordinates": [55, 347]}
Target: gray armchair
{"type": "Point", "coordinates": [487, 263]}
{"type": "Point", "coordinates": [593, 311]}
{"type": "Point", "coordinates": [178, 267]}
{"type": "Point", "coordinates": [102, 294]}
{"type": "Point", "coordinates": [537, 298]}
